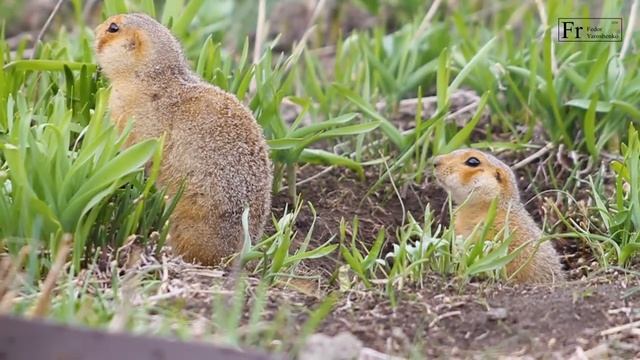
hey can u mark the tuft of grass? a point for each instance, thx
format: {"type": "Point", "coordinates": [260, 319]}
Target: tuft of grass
{"type": "Point", "coordinates": [620, 214]}
{"type": "Point", "coordinates": [279, 255]}
{"type": "Point", "coordinates": [421, 251]}
{"type": "Point", "coordinates": [364, 264]}
{"type": "Point", "coordinates": [57, 181]}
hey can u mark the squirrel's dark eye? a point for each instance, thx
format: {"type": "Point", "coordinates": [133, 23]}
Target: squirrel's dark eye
{"type": "Point", "coordinates": [472, 162]}
{"type": "Point", "coordinates": [113, 27]}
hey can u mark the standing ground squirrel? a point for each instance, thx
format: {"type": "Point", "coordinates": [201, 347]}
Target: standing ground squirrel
{"type": "Point", "coordinates": [474, 179]}
{"type": "Point", "coordinates": [211, 139]}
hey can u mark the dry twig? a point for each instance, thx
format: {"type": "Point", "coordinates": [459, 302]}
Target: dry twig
{"type": "Point", "coordinates": [44, 300]}
{"type": "Point", "coordinates": [46, 26]}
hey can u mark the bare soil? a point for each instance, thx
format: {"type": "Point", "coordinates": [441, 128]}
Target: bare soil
{"type": "Point", "coordinates": [595, 317]}
{"type": "Point", "coordinates": [341, 195]}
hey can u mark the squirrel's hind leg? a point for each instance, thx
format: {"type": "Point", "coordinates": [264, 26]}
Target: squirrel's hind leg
{"type": "Point", "coordinates": [540, 267]}
{"type": "Point", "coordinates": [202, 235]}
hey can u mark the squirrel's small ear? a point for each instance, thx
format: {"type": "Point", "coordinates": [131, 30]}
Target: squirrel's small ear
{"type": "Point", "coordinates": [499, 175]}
{"type": "Point", "coordinates": [137, 43]}
{"type": "Point", "coordinates": [136, 40]}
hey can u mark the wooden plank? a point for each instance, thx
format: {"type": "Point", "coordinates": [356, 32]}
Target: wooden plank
{"type": "Point", "coordinates": [25, 339]}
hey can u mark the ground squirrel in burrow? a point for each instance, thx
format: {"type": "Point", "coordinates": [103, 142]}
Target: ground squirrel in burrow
{"type": "Point", "coordinates": [211, 139]}
{"type": "Point", "coordinates": [474, 179]}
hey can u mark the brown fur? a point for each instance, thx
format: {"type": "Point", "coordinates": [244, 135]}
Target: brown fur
{"type": "Point", "coordinates": [474, 188]}
{"type": "Point", "coordinates": [467, 176]}
{"type": "Point", "coordinates": [211, 139]}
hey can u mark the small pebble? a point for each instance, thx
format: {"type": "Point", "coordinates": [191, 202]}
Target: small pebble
{"type": "Point", "coordinates": [497, 314]}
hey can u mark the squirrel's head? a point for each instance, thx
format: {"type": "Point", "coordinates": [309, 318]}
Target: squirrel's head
{"type": "Point", "coordinates": [136, 45]}
{"type": "Point", "coordinates": [476, 177]}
